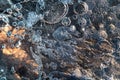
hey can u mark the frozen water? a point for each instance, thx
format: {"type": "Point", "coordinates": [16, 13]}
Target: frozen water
{"type": "Point", "coordinates": [31, 19]}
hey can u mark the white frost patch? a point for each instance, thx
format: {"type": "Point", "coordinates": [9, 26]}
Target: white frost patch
{"type": "Point", "coordinates": [32, 19]}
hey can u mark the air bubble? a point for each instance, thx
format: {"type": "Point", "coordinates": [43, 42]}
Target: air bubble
{"type": "Point", "coordinates": [112, 27]}
{"type": "Point", "coordinates": [103, 34]}
{"type": "Point", "coordinates": [9, 33]}
{"type": "Point", "coordinates": [21, 24]}
{"type": "Point", "coordinates": [36, 38]}
{"type": "Point", "coordinates": [72, 28]}
{"type": "Point", "coordinates": [1, 71]}
{"type": "Point", "coordinates": [14, 24]}
{"type": "Point", "coordinates": [63, 64]}
{"type": "Point", "coordinates": [53, 65]}
{"type": "Point", "coordinates": [82, 22]}
{"type": "Point", "coordinates": [9, 11]}
{"type": "Point", "coordinates": [66, 21]}
{"type": "Point", "coordinates": [15, 14]}
{"type": "Point", "coordinates": [43, 74]}
{"type": "Point", "coordinates": [83, 29]}
{"type": "Point", "coordinates": [101, 26]}
{"type": "Point", "coordinates": [54, 11]}
{"type": "Point", "coordinates": [20, 15]}
{"type": "Point", "coordinates": [75, 17]}
{"type": "Point", "coordinates": [41, 16]}
{"type": "Point", "coordinates": [12, 70]}
{"type": "Point", "coordinates": [17, 7]}
{"type": "Point", "coordinates": [80, 8]}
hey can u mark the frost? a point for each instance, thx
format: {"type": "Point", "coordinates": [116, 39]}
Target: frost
{"type": "Point", "coordinates": [31, 19]}
{"type": "Point", "coordinates": [65, 39]}
{"type": "Point", "coordinates": [62, 34]}
{"type": "Point", "coordinates": [67, 1]}
{"type": "Point", "coordinates": [42, 4]}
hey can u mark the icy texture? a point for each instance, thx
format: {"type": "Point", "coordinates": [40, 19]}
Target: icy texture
{"type": "Point", "coordinates": [62, 34]}
{"type": "Point", "coordinates": [60, 39]}
{"type": "Point", "coordinates": [31, 19]}
{"type": "Point", "coordinates": [67, 1]}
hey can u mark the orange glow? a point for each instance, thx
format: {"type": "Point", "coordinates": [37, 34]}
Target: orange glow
{"type": "Point", "coordinates": [4, 30]}
{"type": "Point", "coordinates": [17, 56]}
{"type": "Point", "coordinates": [16, 31]}
{"type": "Point", "coordinates": [7, 28]}
{"type": "Point", "coordinates": [3, 36]}
{"type": "Point", "coordinates": [33, 64]}
{"type": "Point", "coordinates": [15, 52]}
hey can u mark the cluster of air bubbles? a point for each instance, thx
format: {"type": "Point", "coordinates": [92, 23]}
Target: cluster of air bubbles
{"type": "Point", "coordinates": [32, 19]}
{"type": "Point", "coordinates": [13, 15]}
{"type": "Point", "coordinates": [65, 28]}
{"type": "Point", "coordinates": [18, 24]}
{"type": "Point", "coordinates": [36, 38]}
